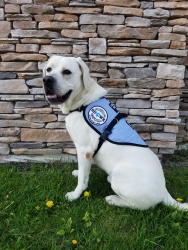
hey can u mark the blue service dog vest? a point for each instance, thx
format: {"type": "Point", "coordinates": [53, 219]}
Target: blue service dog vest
{"type": "Point", "coordinates": [100, 114]}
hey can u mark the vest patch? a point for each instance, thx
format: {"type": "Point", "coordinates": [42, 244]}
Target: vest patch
{"type": "Point", "coordinates": [99, 115]}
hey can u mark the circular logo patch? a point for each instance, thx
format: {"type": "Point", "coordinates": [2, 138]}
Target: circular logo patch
{"type": "Point", "coordinates": [97, 115]}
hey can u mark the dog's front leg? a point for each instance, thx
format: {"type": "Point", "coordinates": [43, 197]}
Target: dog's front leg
{"type": "Point", "coordinates": [84, 166]}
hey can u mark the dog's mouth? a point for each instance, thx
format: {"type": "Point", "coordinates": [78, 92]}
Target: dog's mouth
{"type": "Point", "coordinates": [53, 98]}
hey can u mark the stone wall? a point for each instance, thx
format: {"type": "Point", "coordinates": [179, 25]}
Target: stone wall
{"type": "Point", "coordinates": [182, 136]}
{"type": "Point", "coordinates": [135, 49]}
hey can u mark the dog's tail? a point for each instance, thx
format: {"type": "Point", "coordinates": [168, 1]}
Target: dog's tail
{"type": "Point", "coordinates": [169, 201]}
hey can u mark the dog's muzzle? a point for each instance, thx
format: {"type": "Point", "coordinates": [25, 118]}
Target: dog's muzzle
{"type": "Point", "coordinates": [49, 85]}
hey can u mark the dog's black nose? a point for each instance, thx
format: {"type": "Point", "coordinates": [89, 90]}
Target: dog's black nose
{"type": "Point", "coordinates": [48, 80]}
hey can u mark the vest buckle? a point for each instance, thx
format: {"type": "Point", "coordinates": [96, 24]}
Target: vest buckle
{"type": "Point", "coordinates": [104, 135]}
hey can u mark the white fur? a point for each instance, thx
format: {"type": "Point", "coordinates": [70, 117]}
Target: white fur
{"type": "Point", "coordinates": [135, 173]}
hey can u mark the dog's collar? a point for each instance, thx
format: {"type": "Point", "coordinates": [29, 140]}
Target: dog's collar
{"type": "Point", "coordinates": [80, 109]}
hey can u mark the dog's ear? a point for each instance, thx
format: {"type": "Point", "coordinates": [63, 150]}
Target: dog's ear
{"type": "Point", "coordinates": [85, 72]}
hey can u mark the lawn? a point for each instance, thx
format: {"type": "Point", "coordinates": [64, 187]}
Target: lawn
{"type": "Point", "coordinates": [34, 213]}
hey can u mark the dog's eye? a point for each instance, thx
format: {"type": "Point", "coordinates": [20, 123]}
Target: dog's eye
{"type": "Point", "coordinates": [66, 72]}
{"type": "Point", "coordinates": [49, 69]}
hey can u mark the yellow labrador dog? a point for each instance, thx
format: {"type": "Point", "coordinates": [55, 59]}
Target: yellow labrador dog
{"type": "Point", "coordinates": [134, 172]}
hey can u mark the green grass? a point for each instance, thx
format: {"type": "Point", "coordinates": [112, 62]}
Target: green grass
{"type": "Point", "coordinates": [88, 220]}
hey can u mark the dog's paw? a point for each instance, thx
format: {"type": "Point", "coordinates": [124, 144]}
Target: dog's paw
{"type": "Point", "coordinates": [110, 200]}
{"type": "Point", "coordinates": [75, 173]}
{"type": "Point", "coordinates": [71, 196]}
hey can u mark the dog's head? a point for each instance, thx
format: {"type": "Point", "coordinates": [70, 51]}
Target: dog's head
{"type": "Point", "coordinates": [63, 78]}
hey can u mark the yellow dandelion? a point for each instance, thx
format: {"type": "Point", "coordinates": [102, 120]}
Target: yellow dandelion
{"type": "Point", "coordinates": [37, 207]}
{"type": "Point", "coordinates": [179, 199]}
{"type": "Point", "coordinates": [86, 194]}
{"type": "Point", "coordinates": [50, 204]}
{"type": "Point", "coordinates": [74, 242]}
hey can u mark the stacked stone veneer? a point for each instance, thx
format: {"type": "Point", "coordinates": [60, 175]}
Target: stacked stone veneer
{"type": "Point", "coordinates": [182, 136]}
{"type": "Point", "coordinates": [135, 49]}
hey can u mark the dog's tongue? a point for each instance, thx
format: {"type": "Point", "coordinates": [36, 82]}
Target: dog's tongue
{"type": "Point", "coordinates": [51, 96]}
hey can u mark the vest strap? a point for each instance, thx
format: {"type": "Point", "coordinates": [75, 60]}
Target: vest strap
{"type": "Point", "coordinates": [108, 131]}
